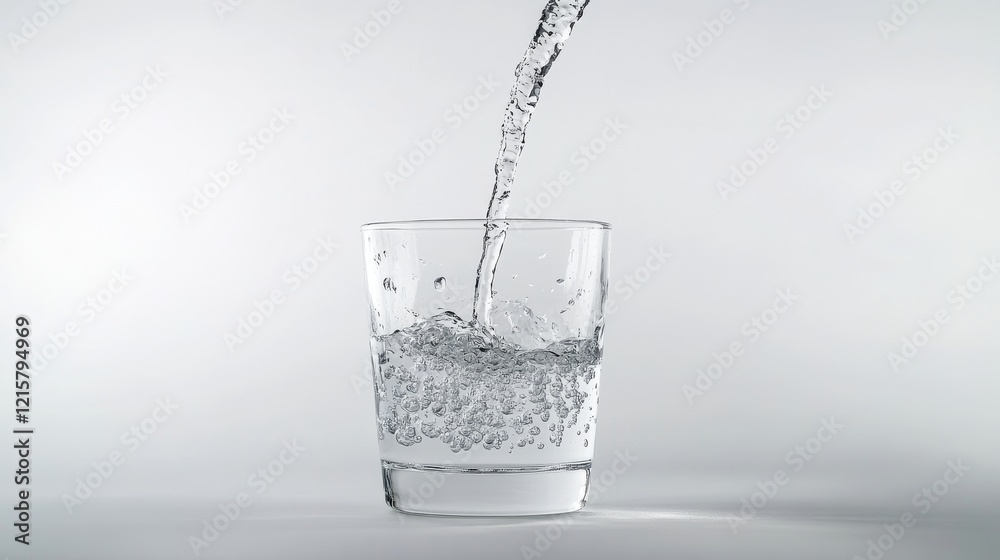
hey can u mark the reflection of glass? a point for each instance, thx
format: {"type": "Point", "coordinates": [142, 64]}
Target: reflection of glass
{"type": "Point", "coordinates": [477, 421]}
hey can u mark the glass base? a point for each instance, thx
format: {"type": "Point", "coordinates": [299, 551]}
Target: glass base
{"type": "Point", "coordinates": [499, 491]}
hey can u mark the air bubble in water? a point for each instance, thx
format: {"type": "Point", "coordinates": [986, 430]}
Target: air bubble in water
{"type": "Point", "coordinates": [411, 404]}
{"type": "Point", "coordinates": [407, 436]}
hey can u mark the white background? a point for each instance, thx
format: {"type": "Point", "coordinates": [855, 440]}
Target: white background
{"type": "Point", "coordinates": [302, 375]}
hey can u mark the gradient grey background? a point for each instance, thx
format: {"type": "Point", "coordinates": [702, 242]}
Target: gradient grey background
{"type": "Point", "coordinates": [303, 374]}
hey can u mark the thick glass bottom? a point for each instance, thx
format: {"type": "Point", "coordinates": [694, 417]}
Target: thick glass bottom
{"type": "Point", "coordinates": [482, 491]}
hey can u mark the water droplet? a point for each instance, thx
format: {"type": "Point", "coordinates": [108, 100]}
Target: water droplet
{"type": "Point", "coordinates": [586, 443]}
{"type": "Point", "coordinates": [440, 284]}
{"type": "Point", "coordinates": [560, 281]}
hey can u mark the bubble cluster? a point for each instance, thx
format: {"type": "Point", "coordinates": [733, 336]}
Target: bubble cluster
{"type": "Point", "coordinates": [449, 380]}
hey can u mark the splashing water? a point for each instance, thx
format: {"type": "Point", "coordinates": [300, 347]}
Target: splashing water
{"type": "Point", "coordinates": [448, 380]}
{"type": "Point", "coordinates": [507, 379]}
{"type": "Point", "coordinates": [555, 26]}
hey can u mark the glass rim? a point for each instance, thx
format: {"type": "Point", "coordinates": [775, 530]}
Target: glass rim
{"type": "Point", "coordinates": [480, 223]}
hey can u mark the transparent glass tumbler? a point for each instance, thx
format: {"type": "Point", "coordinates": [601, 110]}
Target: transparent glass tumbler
{"type": "Point", "coordinates": [486, 417]}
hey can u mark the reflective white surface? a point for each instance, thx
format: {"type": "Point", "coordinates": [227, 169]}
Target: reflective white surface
{"type": "Point", "coordinates": [312, 529]}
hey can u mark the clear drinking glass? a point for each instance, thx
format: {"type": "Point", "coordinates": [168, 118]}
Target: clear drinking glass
{"type": "Point", "coordinates": [494, 419]}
